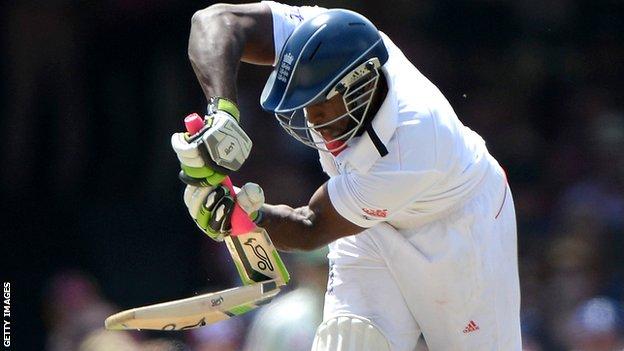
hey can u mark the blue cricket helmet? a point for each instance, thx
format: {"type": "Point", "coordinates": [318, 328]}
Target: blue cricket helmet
{"type": "Point", "coordinates": [337, 51]}
{"type": "Point", "coordinates": [317, 55]}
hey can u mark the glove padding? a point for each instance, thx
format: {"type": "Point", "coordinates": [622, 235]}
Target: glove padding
{"type": "Point", "coordinates": [211, 207]}
{"type": "Point", "coordinates": [222, 148]}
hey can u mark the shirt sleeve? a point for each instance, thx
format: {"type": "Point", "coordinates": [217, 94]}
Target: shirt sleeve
{"type": "Point", "coordinates": [367, 199]}
{"type": "Point", "coordinates": [285, 19]}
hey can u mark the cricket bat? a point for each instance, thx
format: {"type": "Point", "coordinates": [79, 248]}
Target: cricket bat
{"type": "Point", "coordinates": [252, 251]}
{"type": "Point", "coordinates": [196, 311]}
{"type": "Point", "coordinates": [258, 263]}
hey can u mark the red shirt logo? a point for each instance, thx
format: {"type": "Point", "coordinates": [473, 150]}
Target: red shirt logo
{"type": "Point", "coordinates": [376, 213]}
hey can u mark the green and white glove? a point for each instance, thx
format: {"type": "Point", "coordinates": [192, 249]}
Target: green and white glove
{"type": "Point", "coordinates": [211, 207]}
{"type": "Point", "coordinates": [218, 149]}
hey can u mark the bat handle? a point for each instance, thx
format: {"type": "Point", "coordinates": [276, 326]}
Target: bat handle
{"type": "Point", "coordinates": [241, 223]}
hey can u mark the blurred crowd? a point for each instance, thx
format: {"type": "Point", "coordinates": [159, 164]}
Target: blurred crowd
{"type": "Point", "coordinates": [92, 208]}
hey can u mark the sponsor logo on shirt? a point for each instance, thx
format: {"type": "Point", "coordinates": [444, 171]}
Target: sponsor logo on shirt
{"type": "Point", "coordinates": [376, 212]}
{"type": "Point", "coordinates": [296, 15]}
{"type": "Point", "coordinates": [471, 327]}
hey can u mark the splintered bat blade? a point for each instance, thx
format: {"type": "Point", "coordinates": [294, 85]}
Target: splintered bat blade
{"type": "Point", "coordinates": [196, 311]}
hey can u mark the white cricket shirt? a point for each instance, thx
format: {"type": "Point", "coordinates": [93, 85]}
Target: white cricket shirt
{"type": "Point", "coordinates": [434, 162]}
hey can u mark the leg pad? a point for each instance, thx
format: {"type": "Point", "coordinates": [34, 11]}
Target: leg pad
{"type": "Point", "coordinates": [349, 333]}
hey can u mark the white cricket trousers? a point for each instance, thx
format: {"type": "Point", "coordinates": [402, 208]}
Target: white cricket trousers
{"type": "Point", "coordinates": [453, 280]}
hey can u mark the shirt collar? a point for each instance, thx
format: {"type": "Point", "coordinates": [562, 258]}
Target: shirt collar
{"type": "Point", "coordinates": [361, 153]}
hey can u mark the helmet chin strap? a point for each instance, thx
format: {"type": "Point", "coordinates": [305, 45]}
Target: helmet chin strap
{"type": "Point", "coordinates": [380, 94]}
{"type": "Point", "coordinates": [381, 148]}
{"type": "Point", "coordinates": [338, 145]}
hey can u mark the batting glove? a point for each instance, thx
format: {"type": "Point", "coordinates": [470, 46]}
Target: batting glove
{"type": "Point", "coordinates": [218, 149]}
{"type": "Point", "coordinates": [211, 207]}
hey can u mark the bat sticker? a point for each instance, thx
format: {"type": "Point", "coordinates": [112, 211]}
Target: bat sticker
{"type": "Point", "coordinates": [173, 326]}
{"type": "Point", "coordinates": [216, 302]}
{"type": "Point", "coordinates": [260, 252]}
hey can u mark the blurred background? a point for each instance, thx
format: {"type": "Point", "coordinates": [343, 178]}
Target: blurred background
{"type": "Point", "coordinates": [92, 218]}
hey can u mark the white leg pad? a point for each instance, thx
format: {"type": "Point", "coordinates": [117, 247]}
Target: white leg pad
{"type": "Point", "coordinates": [348, 332]}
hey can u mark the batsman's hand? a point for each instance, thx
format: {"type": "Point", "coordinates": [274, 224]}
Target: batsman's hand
{"type": "Point", "coordinates": [221, 147]}
{"type": "Point", "coordinates": [211, 207]}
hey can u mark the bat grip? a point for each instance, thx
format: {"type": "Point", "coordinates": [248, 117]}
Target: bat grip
{"type": "Point", "coordinates": [240, 221]}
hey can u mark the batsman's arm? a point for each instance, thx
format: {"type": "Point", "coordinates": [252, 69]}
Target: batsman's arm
{"type": "Point", "coordinates": [309, 227]}
{"type": "Point", "coordinates": [221, 36]}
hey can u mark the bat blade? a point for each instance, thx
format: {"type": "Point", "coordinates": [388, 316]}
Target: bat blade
{"type": "Point", "coordinates": [196, 311]}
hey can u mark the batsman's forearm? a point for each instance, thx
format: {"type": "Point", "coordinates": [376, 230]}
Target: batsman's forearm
{"type": "Point", "coordinates": [215, 48]}
{"type": "Point", "coordinates": [293, 229]}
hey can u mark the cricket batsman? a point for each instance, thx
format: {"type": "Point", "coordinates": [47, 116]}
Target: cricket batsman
{"type": "Point", "coordinates": [418, 216]}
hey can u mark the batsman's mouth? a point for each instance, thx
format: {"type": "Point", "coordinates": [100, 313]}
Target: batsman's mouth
{"type": "Point", "coordinates": [328, 133]}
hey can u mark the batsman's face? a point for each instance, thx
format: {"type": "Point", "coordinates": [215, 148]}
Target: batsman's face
{"type": "Point", "coordinates": [325, 117]}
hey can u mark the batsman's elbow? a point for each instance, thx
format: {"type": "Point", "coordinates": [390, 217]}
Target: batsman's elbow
{"type": "Point", "coordinates": [216, 21]}
{"type": "Point", "coordinates": [217, 12]}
